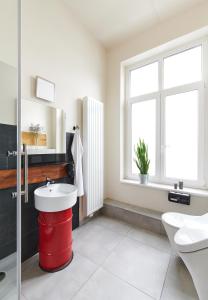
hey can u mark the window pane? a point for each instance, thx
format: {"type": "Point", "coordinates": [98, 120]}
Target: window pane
{"type": "Point", "coordinates": [144, 80]}
{"type": "Point", "coordinates": [144, 127]}
{"type": "Point", "coordinates": [181, 135]}
{"type": "Point", "coordinates": [183, 68]}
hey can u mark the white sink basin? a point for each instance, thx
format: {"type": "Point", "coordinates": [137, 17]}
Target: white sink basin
{"type": "Point", "coordinates": [55, 197]}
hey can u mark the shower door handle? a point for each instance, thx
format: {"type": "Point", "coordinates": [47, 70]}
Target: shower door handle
{"type": "Point", "coordinates": [25, 170]}
{"type": "Point", "coordinates": [25, 192]}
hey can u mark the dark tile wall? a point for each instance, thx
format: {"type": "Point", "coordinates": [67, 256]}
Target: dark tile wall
{"type": "Point", "coordinates": [42, 159]}
{"type": "Point", "coordinates": [29, 213]}
{"type": "Point", "coordinates": [8, 134]}
{"type": "Point", "coordinates": [8, 137]}
{"type": "Point", "coordinates": [7, 223]}
{"type": "Point", "coordinates": [8, 142]}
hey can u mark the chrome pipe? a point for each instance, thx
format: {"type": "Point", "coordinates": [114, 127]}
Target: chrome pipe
{"type": "Point", "coordinates": [25, 172]}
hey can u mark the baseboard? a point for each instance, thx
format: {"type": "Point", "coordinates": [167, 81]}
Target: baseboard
{"type": "Point", "coordinates": [144, 218]}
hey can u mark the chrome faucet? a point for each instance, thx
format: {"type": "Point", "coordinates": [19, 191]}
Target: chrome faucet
{"type": "Point", "coordinates": [49, 181]}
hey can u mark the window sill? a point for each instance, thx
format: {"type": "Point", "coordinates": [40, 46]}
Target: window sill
{"type": "Point", "coordinates": [165, 187]}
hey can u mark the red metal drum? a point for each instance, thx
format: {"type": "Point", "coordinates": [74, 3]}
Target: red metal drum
{"type": "Point", "coordinates": [55, 239]}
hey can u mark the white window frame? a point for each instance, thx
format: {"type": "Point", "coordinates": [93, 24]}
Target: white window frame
{"type": "Point", "coordinates": [160, 95]}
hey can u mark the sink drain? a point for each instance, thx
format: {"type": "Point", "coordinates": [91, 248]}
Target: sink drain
{"type": "Point", "coordinates": [2, 276]}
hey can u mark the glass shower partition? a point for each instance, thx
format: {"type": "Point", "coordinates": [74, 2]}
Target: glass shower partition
{"type": "Point", "coordinates": [10, 151]}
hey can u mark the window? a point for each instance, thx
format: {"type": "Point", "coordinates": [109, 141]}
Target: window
{"type": "Point", "coordinates": [183, 68]}
{"type": "Point", "coordinates": [181, 135]}
{"type": "Point", "coordinates": [144, 80]}
{"type": "Point", "coordinates": [165, 105]}
{"type": "Point", "coordinates": [143, 125]}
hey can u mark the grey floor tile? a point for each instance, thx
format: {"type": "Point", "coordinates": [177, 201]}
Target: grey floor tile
{"type": "Point", "coordinates": [8, 262]}
{"type": "Point", "coordinates": [149, 238]}
{"type": "Point", "coordinates": [30, 263]}
{"type": "Point", "coordinates": [142, 266]}
{"type": "Point", "coordinates": [11, 295]}
{"type": "Point", "coordinates": [104, 286]}
{"type": "Point", "coordinates": [134, 266]}
{"type": "Point", "coordinates": [96, 242]}
{"type": "Point", "coordinates": [80, 268]}
{"type": "Point", "coordinates": [178, 283]}
{"type": "Point", "coordinates": [8, 287]}
{"type": "Point", "coordinates": [112, 224]}
{"type": "Point", "coordinates": [38, 285]}
{"type": "Point", "coordinates": [85, 231]}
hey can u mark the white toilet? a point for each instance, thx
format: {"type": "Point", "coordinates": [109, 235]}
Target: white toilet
{"type": "Point", "coordinates": [191, 243]}
{"type": "Point", "coordinates": [173, 221]}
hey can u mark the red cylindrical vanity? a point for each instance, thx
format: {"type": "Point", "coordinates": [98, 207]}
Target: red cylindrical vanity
{"type": "Point", "coordinates": [55, 239]}
{"type": "Point", "coordinates": [55, 202]}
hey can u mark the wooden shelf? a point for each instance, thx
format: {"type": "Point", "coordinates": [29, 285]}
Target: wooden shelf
{"type": "Point", "coordinates": [35, 174]}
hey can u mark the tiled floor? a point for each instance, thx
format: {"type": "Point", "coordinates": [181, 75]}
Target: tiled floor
{"type": "Point", "coordinates": [112, 261]}
{"type": "Point", "coordinates": [8, 289]}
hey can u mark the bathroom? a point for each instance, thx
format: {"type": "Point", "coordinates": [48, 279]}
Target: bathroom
{"type": "Point", "coordinates": [85, 87]}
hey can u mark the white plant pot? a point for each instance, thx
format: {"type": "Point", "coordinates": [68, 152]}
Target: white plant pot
{"type": "Point", "coordinates": [144, 178]}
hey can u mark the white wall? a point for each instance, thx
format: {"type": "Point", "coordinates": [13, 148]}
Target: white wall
{"type": "Point", "coordinates": [158, 35]}
{"type": "Point", "coordinates": [57, 47]}
{"type": "Point", "coordinates": [8, 61]}
{"type": "Point", "coordinates": [8, 93]}
{"type": "Point", "coordinates": [8, 32]}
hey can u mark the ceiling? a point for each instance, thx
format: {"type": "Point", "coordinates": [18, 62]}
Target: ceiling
{"type": "Point", "coordinates": [111, 21]}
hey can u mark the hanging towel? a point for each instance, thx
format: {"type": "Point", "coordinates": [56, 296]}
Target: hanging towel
{"type": "Point", "coordinates": [77, 153]}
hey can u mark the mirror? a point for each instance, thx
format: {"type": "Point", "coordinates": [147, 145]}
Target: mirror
{"type": "Point", "coordinates": [43, 128]}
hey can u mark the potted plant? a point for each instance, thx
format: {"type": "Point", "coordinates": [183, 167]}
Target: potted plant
{"type": "Point", "coordinates": [142, 161]}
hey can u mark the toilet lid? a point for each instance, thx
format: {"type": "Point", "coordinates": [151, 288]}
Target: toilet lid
{"type": "Point", "coordinates": [192, 238]}
{"type": "Point", "coordinates": [177, 220]}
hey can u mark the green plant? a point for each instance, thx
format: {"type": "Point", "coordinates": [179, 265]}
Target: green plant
{"type": "Point", "coordinates": [142, 161]}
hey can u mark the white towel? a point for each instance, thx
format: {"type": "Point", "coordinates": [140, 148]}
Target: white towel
{"type": "Point", "coordinates": [77, 153]}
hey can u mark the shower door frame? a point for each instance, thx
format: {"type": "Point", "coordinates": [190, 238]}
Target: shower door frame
{"type": "Point", "coordinates": [19, 150]}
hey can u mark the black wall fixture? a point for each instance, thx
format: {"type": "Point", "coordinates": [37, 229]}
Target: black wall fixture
{"type": "Point", "coordinates": [179, 197]}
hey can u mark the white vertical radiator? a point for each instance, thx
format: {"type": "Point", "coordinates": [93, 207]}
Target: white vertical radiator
{"type": "Point", "coordinates": [93, 165]}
